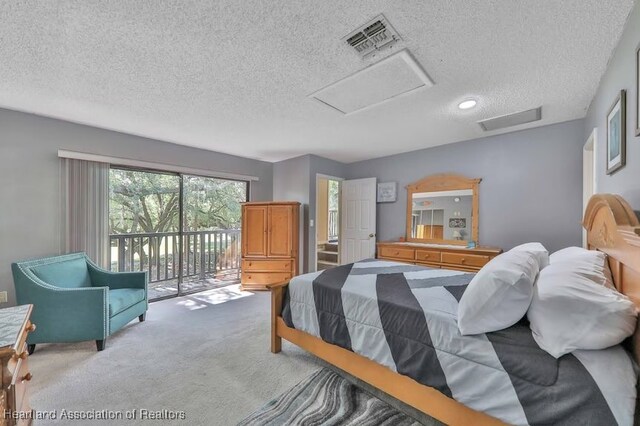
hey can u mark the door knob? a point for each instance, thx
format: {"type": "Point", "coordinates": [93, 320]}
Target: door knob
{"type": "Point", "coordinates": [372, 235]}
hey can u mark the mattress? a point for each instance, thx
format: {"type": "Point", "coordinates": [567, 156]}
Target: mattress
{"type": "Point", "coordinates": [405, 317]}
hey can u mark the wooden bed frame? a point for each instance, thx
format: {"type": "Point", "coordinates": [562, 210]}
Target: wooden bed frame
{"type": "Point", "coordinates": [612, 227]}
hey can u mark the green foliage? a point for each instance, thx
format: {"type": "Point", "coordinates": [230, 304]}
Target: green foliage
{"type": "Point", "coordinates": [145, 202]}
{"type": "Point", "coordinates": [334, 194]}
{"type": "Point", "coordinates": [213, 203]}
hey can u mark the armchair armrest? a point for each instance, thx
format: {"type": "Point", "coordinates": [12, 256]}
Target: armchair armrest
{"type": "Point", "coordinates": [113, 280]}
{"type": "Point", "coordinates": [63, 314]}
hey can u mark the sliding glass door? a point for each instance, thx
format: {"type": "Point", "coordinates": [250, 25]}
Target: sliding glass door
{"type": "Point", "coordinates": [184, 230]}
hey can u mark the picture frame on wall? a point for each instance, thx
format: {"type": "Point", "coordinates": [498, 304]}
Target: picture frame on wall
{"type": "Point", "coordinates": [617, 134]}
{"type": "Point", "coordinates": [638, 91]}
{"type": "Point", "coordinates": [387, 192]}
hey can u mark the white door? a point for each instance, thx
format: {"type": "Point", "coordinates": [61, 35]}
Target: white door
{"type": "Point", "coordinates": [358, 220]}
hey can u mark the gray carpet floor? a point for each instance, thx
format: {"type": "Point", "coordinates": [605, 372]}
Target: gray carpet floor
{"type": "Point", "coordinates": [206, 355]}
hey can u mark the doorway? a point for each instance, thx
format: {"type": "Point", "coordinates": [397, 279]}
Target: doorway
{"type": "Point", "coordinates": [589, 176]}
{"type": "Point", "coordinates": [327, 222]}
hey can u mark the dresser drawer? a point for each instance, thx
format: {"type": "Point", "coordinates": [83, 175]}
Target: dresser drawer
{"type": "Point", "coordinates": [266, 265]}
{"type": "Point", "coordinates": [397, 253]}
{"type": "Point", "coordinates": [471, 260]}
{"type": "Point", "coordinates": [18, 397]}
{"type": "Point", "coordinates": [428, 256]}
{"type": "Point", "coordinates": [264, 277]}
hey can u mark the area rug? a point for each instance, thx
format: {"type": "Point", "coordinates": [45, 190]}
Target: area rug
{"type": "Point", "coordinates": [326, 398]}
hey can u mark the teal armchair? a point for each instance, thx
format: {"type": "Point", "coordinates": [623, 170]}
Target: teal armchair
{"type": "Point", "coordinates": [75, 300]}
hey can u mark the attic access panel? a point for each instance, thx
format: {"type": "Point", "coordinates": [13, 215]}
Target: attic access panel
{"type": "Point", "coordinates": [389, 78]}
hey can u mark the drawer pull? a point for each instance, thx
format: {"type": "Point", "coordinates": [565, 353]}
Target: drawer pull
{"type": "Point", "coordinates": [31, 328]}
{"type": "Point", "coordinates": [27, 377]}
{"type": "Point", "coordinates": [21, 355]}
{"type": "Point", "coordinates": [426, 255]}
{"type": "Point", "coordinates": [462, 260]}
{"type": "Point", "coordinates": [397, 253]}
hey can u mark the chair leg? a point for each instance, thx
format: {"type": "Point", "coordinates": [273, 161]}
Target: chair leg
{"type": "Point", "coordinates": [100, 344]}
{"type": "Point", "coordinates": [31, 348]}
{"type": "Point", "coordinates": [142, 317]}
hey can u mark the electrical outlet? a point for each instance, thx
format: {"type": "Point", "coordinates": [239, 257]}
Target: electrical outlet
{"type": "Point", "coordinates": [3, 297]}
{"type": "Point", "coordinates": [311, 223]}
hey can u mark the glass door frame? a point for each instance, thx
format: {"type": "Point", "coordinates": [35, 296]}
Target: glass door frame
{"type": "Point", "coordinates": [181, 219]}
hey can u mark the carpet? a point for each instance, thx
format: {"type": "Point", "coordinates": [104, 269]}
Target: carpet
{"type": "Point", "coordinates": [206, 355]}
{"type": "Point", "coordinates": [327, 398]}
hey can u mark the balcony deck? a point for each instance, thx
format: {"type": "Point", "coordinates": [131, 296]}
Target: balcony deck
{"type": "Point", "coordinates": [208, 259]}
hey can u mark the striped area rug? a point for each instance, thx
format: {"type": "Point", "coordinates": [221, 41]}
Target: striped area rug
{"type": "Point", "coordinates": [326, 398]}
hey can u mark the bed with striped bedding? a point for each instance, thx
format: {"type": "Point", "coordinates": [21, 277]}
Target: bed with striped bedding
{"type": "Point", "coordinates": [404, 317]}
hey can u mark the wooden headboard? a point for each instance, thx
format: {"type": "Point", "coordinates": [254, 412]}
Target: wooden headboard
{"type": "Point", "coordinates": [613, 228]}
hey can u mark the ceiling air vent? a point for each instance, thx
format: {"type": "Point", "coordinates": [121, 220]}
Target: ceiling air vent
{"type": "Point", "coordinates": [372, 36]}
{"type": "Point", "coordinates": [510, 120]}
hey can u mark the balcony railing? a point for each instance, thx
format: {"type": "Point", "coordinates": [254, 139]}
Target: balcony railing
{"type": "Point", "coordinates": [333, 225]}
{"type": "Point", "coordinates": [204, 254]}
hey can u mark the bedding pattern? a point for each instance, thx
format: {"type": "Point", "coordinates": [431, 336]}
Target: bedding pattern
{"type": "Point", "coordinates": [405, 318]}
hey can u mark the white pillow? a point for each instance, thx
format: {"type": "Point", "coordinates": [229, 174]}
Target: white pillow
{"type": "Point", "coordinates": [500, 293]}
{"type": "Point", "coordinates": [591, 264]}
{"type": "Point", "coordinates": [571, 311]}
{"type": "Point", "coordinates": [542, 254]}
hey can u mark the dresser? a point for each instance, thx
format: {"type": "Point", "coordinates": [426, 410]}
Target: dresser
{"type": "Point", "coordinates": [270, 241]}
{"type": "Point", "coordinates": [14, 328]}
{"type": "Point", "coordinates": [438, 255]}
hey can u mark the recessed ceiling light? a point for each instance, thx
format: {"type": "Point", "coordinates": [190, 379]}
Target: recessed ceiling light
{"type": "Point", "coordinates": [469, 103]}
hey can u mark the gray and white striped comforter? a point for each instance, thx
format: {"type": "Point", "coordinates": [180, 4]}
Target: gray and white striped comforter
{"type": "Point", "coordinates": [405, 318]}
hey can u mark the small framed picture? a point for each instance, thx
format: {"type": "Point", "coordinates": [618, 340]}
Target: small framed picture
{"type": "Point", "coordinates": [617, 134]}
{"type": "Point", "coordinates": [387, 192]}
{"type": "Point", "coordinates": [638, 91]}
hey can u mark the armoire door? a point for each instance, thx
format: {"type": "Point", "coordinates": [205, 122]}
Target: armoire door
{"type": "Point", "coordinates": [280, 231]}
{"type": "Point", "coordinates": [254, 231]}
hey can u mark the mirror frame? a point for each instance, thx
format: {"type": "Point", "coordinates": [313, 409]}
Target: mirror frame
{"type": "Point", "coordinates": [444, 182]}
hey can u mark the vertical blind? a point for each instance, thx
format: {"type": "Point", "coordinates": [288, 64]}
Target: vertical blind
{"type": "Point", "coordinates": [85, 209]}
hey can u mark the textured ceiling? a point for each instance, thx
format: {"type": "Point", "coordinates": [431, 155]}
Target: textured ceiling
{"type": "Point", "coordinates": [234, 76]}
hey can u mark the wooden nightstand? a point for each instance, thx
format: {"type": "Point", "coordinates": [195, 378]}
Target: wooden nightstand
{"type": "Point", "coordinates": [15, 325]}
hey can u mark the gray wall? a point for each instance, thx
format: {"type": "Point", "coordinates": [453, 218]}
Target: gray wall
{"type": "Point", "coordinates": [295, 180]}
{"type": "Point", "coordinates": [291, 183]}
{"type": "Point", "coordinates": [620, 74]}
{"type": "Point", "coordinates": [531, 186]}
{"type": "Point", "coordinates": [30, 170]}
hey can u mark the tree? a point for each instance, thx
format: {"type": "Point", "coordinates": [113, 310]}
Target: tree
{"type": "Point", "coordinates": [149, 203]}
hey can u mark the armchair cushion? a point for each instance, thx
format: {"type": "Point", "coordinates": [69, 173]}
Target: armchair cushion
{"type": "Point", "coordinates": [123, 298]}
{"type": "Point", "coordinates": [72, 273]}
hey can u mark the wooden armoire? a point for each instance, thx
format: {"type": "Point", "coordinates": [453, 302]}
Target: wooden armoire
{"type": "Point", "coordinates": [269, 243]}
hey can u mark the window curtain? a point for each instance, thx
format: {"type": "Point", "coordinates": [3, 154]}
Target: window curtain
{"type": "Point", "coordinates": [85, 209]}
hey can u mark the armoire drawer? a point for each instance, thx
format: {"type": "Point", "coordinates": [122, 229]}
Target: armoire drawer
{"type": "Point", "coordinates": [264, 277]}
{"type": "Point", "coordinates": [472, 260]}
{"type": "Point", "coordinates": [428, 256]}
{"type": "Point", "coordinates": [250, 265]}
{"type": "Point", "coordinates": [397, 253]}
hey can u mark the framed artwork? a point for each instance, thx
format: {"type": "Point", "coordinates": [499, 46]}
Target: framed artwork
{"type": "Point", "coordinates": [387, 192]}
{"type": "Point", "coordinates": [456, 222]}
{"type": "Point", "coordinates": [638, 91]}
{"type": "Point", "coordinates": [617, 134]}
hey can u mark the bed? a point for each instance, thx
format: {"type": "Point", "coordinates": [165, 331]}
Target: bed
{"type": "Point", "coordinates": [402, 338]}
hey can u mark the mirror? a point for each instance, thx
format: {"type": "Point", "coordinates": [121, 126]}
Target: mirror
{"type": "Point", "coordinates": [443, 209]}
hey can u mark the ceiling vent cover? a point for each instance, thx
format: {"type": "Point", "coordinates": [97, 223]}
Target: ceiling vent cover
{"type": "Point", "coordinates": [510, 120]}
{"type": "Point", "coordinates": [372, 36]}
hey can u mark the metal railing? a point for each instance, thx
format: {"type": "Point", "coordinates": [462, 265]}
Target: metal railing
{"type": "Point", "coordinates": [204, 254]}
{"type": "Point", "coordinates": [333, 225]}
